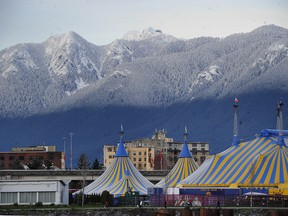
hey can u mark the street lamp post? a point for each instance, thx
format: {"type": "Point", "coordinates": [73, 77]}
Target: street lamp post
{"type": "Point", "coordinates": [71, 134]}
{"type": "Point", "coordinates": [64, 143]}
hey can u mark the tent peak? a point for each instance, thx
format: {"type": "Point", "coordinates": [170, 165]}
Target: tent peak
{"type": "Point", "coordinates": [121, 151]}
{"type": "Point", "coordinates": [185, 153]}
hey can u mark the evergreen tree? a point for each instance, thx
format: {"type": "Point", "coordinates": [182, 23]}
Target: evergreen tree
{"type": "Point", "coordinates": [96, 164]}
{"type": "Point", "coordinates": [83, 162]}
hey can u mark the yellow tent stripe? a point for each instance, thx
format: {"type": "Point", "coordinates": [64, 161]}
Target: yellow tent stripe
{"type": "Point", "coordinates": [241, 178]}
{"type": "Point", "coordinates": [268, 177]}
{"type": "Point", "coordinates": [216, 159]}
{"type": "Point", "coordinates": [263, 168]}
{"type": "Point", "coordinates": [284, 162]}
{"type": "Point", "coordinates": [235, 149]}
{"type": "Point", "coordinates": [232, 166]}
{"type": "Point", "coordinates": [260, 157]}
{"type": "Point", "coordinates": [277, 174]}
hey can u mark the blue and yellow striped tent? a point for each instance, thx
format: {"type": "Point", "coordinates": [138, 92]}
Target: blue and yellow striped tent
{"type": "Point", "coordinates": [121, 176]}
{"type": "Point", "coordinates": [183, 168]}
{"type": "Point", "coordinates": [261, 162]}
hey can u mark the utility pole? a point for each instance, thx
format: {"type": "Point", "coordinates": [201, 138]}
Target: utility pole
{"type": "Point", "coordinates": [64, 144]}
{"type": "Point", "coordinates": [71, 134]}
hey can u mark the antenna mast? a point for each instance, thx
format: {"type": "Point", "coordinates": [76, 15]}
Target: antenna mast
{"type": "Point", "coordinates": [280, 116]}
{"type": "Point", "coordinates": [235, 126]}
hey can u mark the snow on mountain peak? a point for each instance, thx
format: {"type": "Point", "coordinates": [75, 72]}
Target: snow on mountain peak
{"type": "Point", "coordinates": [145, 34]}
{"type": "Point", "coordinates": [63, 40]}
{"type": "Point", "coordinates": [132, 35]}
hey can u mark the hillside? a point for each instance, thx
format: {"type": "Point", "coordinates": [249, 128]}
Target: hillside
{"type": "Point", "coordinates": [144, 81]}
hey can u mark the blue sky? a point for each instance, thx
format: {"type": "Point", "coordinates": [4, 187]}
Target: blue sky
{"type": "Point", "coordinates": [102, 21]}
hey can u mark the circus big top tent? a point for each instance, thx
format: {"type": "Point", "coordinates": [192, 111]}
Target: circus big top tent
{"type": "Point", "coordinates": [261, 162]}
{"type": "Point", "coordinates": [183, 168]}
{"type": "Point", "coordinates": [121, 176]}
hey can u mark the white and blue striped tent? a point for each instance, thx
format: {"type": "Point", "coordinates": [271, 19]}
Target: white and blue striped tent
{"type": "Point", "coordinates": [184, 167]}
{"type": "Point", "coordinates": [121, 176]}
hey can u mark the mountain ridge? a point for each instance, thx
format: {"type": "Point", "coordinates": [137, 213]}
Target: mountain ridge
{"type": "Point", "coordinates": [67, 84]}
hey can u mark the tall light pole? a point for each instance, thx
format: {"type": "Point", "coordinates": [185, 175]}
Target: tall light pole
{"type": "Point", "coordinates": [64, 143]}
{"type": "Point", "coordinates": [71, 134]}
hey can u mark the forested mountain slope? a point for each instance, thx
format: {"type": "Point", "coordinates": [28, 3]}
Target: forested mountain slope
{"type": "Point", "coordinates": [144, 81]}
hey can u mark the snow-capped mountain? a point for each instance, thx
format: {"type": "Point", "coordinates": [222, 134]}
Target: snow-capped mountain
{"type": "Point", "coordinates": [148, 33]}
{"type": "Point", "coordinates": [146, 79]}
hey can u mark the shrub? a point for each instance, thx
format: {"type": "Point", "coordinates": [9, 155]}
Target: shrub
{"type": "Point", "coordinates": [38, 204]}
{"type": "Point", "coordinates": [16, 204]}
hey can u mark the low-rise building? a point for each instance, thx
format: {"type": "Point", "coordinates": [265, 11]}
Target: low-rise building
{"type": "Point", "coordinates": [157, 153]}
{"type": "Point", "coordinates": [20, 157]}
{"type": "Point", "coordinates": [25, 192]}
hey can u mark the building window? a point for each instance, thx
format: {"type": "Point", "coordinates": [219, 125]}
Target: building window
{"type": "Point", "coordinates": [28, 197]}
{"type": "Point", "coordinates": [139, 153]}
{"type": "Point", "coordinates": [11, 157]}
{"type": "Point", "coordinates": [2, 158]}
{"type": "Point", "coordinates": [134, 153]}
{"type": "Point", "coordinates": [139, 159]}
{"type": "Point", "coordinates": [8, 197]}
{"type": "Point", "coordinates": [134, 159]}
{"type": "Point", "coordinates": [21, 157]}
{"type": "Point", "coordinates": [145, 159]}
{"type": "Point", "coordinates": [145, 153]}
{"type": "Point", "coordinates": [47, 197]}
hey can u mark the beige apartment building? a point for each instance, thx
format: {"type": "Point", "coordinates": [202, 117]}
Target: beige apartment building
{"type": "Point", "coordinates": [156, 153]}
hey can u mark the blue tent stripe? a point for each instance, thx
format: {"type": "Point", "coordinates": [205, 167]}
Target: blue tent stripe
{"type": "Point", "coordinates": [275, 159]}
{"type": "Point", "coordinates": [281, 177]}
{"type": "Point", "coordinates": [267, 170]}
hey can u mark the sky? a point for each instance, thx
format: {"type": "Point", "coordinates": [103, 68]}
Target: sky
{"type": "Point", "coordinates": [102, 21]}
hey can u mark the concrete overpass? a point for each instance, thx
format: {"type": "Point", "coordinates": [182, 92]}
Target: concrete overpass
{"type": "Point", "coordinates": [74, 175]}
